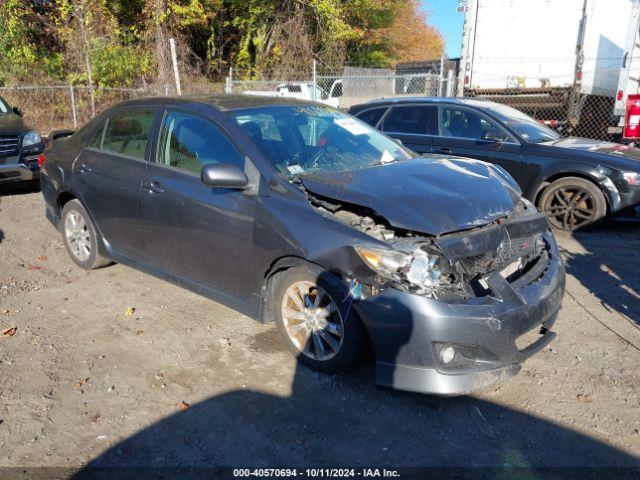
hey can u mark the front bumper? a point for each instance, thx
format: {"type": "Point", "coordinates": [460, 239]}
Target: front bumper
{"type": "Point", "coordinates": [630, 198]}
{"type": "Point", "coordinates": [409, 331]}
{"type": "Point", "coordinates": [17, 170]}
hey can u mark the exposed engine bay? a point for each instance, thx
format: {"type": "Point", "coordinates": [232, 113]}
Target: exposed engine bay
{"type": "Point", "coordinates": [450, 267]}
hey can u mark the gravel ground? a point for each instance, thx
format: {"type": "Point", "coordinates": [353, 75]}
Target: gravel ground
{"type": "Point", "coordinates": [119, 368]}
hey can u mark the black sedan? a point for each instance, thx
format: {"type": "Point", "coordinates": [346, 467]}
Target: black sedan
{"type": "Point", "coordinates": [21, 148]}
{"type": "Point", "coordinates": [296, 213]}
{"type": "Point", "coordinates": [575, 181]}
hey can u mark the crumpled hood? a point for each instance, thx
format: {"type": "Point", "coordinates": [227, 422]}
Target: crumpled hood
{"type": "Point", "coordinates": [432, 195]}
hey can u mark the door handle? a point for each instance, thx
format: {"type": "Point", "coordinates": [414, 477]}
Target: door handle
{"type": "Point", "coordinates": [83, 168]}
{"type": "Point", "coordinates": [153, 187]}
{"type": "Point", "coordinates": [445, 150]}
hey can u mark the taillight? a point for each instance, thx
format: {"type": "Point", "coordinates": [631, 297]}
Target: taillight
{"type": "Point", "coordinates": [41, 160]}
{"type": "Point", "coordinates": [620, 95]}
{"type": "Point", "coordinates": [466, 79]}
{"type": "Point", "coordinates": [579, 75]}
{"type": "Point", "coordinates": [632, 118]}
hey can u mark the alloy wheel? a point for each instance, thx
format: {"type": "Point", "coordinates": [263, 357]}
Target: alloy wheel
{"type": "Point", "coordinates": [312, 321]}
{"type": "Point", "coordinates": [78, 237]}
{"type": "Point", "coordinates": [570, 207]}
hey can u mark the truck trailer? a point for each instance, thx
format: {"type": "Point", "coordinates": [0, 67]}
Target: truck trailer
{"type": "Point", "coordinates": [572, 64]}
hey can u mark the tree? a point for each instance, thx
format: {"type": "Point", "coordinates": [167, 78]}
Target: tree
{"type": "Point", "coordinates": [410, 36]}
{"type": "Point", "coordinates": [125, 42]}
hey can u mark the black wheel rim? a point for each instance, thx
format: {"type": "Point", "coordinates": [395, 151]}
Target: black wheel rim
{"type": "Point", "coordinates": [570, 208]}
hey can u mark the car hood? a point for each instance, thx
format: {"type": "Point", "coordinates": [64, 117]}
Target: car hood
{"type": "Point", "coordinates": [433, 195]}
{"type": "Point", "coordinates": [11, 123]}
{"type": "Point", "coordinates": [624, 156]}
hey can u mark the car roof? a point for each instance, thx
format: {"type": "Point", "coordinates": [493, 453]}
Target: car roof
{"type": "Point", "coordinates": [222, 102]}
{"type": "Point", "coordinates": [474, 102]}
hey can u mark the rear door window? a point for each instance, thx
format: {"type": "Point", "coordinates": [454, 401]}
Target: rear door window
{"type": "Point", "coordinates": [412, 119]}
{"type": "Point", "coordinates": [127, 133]}
{"type": "Point", "coordinates": [372, 116]}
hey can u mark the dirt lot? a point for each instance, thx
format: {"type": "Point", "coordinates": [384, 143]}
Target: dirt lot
{"type": "Point", "coordinates": [81, 381]}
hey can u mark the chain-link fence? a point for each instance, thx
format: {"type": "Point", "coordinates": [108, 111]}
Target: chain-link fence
{"type": "Point", "coordinates": [64, 106]}
{"type": "Point", "coordinates": [577, 103]}
{"type": "Point", "coordinates": [53, 107]}
{"type": "Point", "coordinates": [578, 109]}
{"type": "Point", "coordinates": [347, 86]}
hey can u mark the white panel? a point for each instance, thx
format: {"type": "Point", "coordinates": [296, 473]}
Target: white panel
{"type": "Point", "coordinates": [526, 43]}
{"type": "Point", "coordinates": [604, 45]}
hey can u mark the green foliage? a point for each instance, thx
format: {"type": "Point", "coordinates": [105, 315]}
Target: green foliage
{"type": "Point", "coordinates": [121, 65]}
{"type": "Point", "coordinates": [49, 40]}
{"type": "Point", "coordinates": [23, 57]}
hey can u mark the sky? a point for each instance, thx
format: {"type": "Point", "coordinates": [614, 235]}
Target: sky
{"type": "Point", "coordinates": [443, 16]}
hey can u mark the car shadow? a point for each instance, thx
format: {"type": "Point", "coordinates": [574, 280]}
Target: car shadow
{"type": "Point", "coordinates": [1, 232]}
{"type": "Point", "coordinates": [609, 266]}
{"type": "Point", "coordinates": [345, 421]}
{"type": "Point", "coordinates": [17, 188]}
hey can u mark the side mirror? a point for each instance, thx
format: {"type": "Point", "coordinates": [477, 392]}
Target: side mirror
{"type": "Point", "coordinates": [57, 134]}
{"type": "Point", "coordinates": [397, 141]}
{"type": "Point", "coordinates": [494, 135]}
{"type": "Point", "coordinates": [17, 111]}
{"type": "Point", "coordinates": [223, 175]}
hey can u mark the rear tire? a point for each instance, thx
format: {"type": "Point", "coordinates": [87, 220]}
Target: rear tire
{"type": "Point", "coordinates": [573, 203]}
{"type": "Point", "coordinates": [80, 237]}
{"type": "Point", "coordinates": [315, 319]}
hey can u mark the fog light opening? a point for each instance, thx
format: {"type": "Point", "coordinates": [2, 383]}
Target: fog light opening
{"type": "Point", "coordinates": [447, 355]}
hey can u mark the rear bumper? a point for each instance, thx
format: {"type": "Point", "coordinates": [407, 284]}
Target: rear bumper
{"type": "Point", "coordinates": [491, 339]}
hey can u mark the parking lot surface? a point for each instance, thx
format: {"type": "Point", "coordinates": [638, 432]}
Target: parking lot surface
{"type": "Point", "coordinates": [119, 368]}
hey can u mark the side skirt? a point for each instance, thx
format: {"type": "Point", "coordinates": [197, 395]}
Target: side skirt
{"type": "Point", "coordinates": [250, 307]}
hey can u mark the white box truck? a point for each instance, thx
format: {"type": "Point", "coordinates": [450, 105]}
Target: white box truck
{"type": "Point", "coordinates": [561, 61]}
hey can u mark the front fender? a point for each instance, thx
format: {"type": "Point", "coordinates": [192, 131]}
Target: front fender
{"type": "Point", "coordinates": [597, 174]}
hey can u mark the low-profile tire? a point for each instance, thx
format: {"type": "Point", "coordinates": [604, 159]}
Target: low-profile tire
{"type": "Point", "coordinates": [573, 203]}
{"type": "Point", "coordinates": [80, 237]}
{"type": "Point", "coordinates": [315, 318]}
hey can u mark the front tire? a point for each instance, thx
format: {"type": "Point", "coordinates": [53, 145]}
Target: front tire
{"type": "Point", "coordinates": [573, 203]}
{"type": "Point", "coordinates": [80, 237]}
{"type": "Point", "coordinates": [315, 319]}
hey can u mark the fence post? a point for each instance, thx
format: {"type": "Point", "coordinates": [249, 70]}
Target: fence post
{"type": "Point", "coordinates": [73, 107]}
{"type": "Point", "coordinates": [315, 80]}
{"type": "Point", "coordinates": [174, 60]}
{"type": "Point", "coordinates": [450, 83]}
{"type": "Point", "coordinates": [441, 82]}
{"type": "Point", "coordinates": [228, 88]}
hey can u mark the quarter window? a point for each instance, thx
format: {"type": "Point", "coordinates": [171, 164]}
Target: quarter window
{"type": "Point", "coordinates": [372, 116]}
{"type": "Point", "coordinates": [413, 119]}
{"type": "Point", "coordinates": [96, 142]}
{"type": "Point", "coordinates": [189, 142]}
{"type": "Point", "coordinates": [126, 133]}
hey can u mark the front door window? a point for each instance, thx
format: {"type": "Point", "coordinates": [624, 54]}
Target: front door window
{"type": "Point", "coordinates": [188, 142]}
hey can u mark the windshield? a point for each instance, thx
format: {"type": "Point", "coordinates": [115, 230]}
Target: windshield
{"type": "Point", "coordinates": [525, 126]}
{"type": "Point", "coordinates": [307, 139]}
{"type": "Point", "coordinates": [4, 108]}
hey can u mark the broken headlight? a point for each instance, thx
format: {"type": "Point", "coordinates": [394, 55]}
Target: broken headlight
{"type": "Point", "coordinates": [388, 263]}
{"type": "Point", "coordinates": [421, 269]}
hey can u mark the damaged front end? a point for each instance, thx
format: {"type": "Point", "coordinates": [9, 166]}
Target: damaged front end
{"type": "Point", "coordinates": [449, 267]}
{"type": "Point", "coordinates": [450, 313]}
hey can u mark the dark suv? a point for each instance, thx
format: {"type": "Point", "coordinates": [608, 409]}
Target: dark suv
{"type": "Point", "coordinates": [21, 148]}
